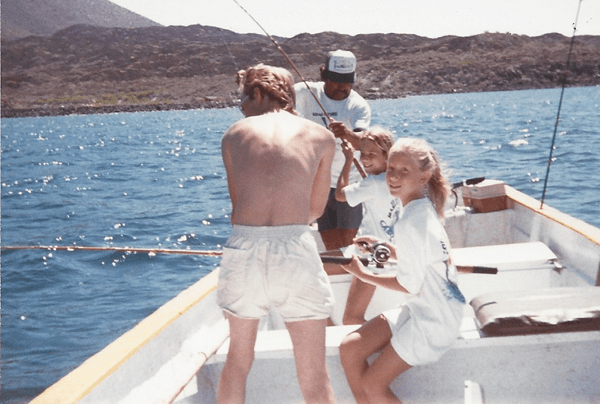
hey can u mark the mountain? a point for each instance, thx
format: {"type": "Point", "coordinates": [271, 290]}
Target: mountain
{"type": "Point", "coordinates": [92, 69]}
{"type": "Point", "coordinates": [21, 18]}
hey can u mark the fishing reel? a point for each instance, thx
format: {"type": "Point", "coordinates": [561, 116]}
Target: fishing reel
{"type": "Point", "coordinates": [380, 253]}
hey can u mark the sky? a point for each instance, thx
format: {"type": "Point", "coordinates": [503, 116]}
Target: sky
{"type": "Point", "coordinates": [428, 18]}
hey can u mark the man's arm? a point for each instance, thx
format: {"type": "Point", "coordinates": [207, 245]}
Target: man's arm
{"type": "Point", "coordinates": [340, 130]}
{"type": "Point", "coordinates": [361, 122]}
{"type": "Point", "coordinates": [320, 188]}
{"type": "Point", "coordinates": [227, 162]}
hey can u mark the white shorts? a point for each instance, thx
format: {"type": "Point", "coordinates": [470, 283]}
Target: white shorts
{"type": "Point", "coordinates": [274, 267]}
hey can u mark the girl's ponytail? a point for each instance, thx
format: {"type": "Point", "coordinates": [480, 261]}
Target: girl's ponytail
{"type": "Point", "coordinates": [438, 188]}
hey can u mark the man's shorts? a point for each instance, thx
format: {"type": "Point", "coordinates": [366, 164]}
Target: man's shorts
{"type": "Point", "coordinates": [339, 215]}
{"type": "Point", "coordinates": [274, 267]}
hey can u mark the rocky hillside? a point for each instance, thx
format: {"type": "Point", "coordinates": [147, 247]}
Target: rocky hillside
{"type": "Point", "coordinates": [21, 18]}
{"type": "Point", "coordinates": [90, 69]}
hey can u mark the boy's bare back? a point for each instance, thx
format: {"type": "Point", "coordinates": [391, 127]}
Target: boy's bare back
{"type": "Point", "coordinates": [278, 169]}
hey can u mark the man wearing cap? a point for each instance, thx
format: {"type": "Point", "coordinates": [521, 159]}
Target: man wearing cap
{"type": "Point", "coordinates": [351, 115]}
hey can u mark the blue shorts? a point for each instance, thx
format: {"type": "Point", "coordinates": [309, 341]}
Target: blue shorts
{"type": "Point", "coordinates": [275, 267]}
{"type": "Point", "coordinates": [339, 215]}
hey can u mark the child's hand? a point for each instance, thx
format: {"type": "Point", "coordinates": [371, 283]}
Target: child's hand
{"type": "Point", "coordinates": [364, 243]}
{"type": "Point", "coordinates": [348, 151]}
{"type": "Point", "coordinates": [355, 267]}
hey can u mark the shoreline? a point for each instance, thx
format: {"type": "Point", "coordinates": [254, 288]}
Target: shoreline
{"type": "Point", "coordinates": [218, 103]}
{"type": "Point", "coordinates": [63, 110]}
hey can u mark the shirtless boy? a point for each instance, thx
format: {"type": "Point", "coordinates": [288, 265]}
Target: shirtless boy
{"type": "Point", "coordinates": [278, 172]}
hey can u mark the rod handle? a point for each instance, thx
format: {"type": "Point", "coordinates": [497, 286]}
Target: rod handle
{"type": "Point", "coordinates": [340, 260]}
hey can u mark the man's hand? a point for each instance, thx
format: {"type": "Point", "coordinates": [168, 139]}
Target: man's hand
{"type": "Point", "coordinates": [339, 129]}
{"type": "Point", "coordinates": [343, 132]}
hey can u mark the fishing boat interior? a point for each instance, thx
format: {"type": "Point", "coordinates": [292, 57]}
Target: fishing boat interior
{"type": "Point", "coordinates": [527, 333]}
{"type": "Point", "coordinates": [530, 333]}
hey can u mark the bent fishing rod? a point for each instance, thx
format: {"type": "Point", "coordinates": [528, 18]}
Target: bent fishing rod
{"type": "Point", "coordinates": [356, 163]}
{"type": "Point", "coordinates": [378, 257]}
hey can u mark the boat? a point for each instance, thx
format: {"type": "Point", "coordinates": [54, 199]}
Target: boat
{"type": "Point", "coordinates": [531, 333]}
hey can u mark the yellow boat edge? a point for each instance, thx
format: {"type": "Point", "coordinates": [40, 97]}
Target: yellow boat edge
{"type": "Point", "coordinates": [579, 226]}
{"type": "Point", "coordinates": [81, 381]}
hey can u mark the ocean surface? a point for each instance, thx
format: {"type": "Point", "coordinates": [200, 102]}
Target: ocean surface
{"type": "Point", "coordinates": [156, 180]}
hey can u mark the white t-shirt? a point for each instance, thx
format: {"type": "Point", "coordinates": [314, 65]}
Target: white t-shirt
{"type": "Point", "coordinates": [425, 327]}
{"type": "Point", "coordinates": [354, 112]}
{"type": "Point", "coordinates": [381, 210]}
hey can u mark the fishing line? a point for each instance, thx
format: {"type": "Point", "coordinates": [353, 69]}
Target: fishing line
{"type": "Point", "coordinates": [356, 163]}
{"type": "Point", "coordinates": [564, 84]}
{"type": "Point", "coordinates": [230, 54]}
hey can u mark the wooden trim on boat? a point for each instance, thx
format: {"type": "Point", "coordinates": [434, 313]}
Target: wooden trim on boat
{"type": "Point", "coordinates": [81, 381]}
{"type": "Point", "coordinates": [579, 226]}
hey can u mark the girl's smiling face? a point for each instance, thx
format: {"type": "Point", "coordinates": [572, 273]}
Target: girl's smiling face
{"type": "Point", "coordinates": [372, 157]}
{"type": "Point", "coordinates": [404, 177]}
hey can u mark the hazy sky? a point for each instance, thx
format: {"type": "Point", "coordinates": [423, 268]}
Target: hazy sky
{"type": "Point", "coordinates": [430, 18]}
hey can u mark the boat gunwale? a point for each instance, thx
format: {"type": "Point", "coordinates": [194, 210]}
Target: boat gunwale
{"type": "Point", "coordinates": [580, 227]}
{"type": "Point", "coordinates": [78, 383]}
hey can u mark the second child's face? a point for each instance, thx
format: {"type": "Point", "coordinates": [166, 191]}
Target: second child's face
{"type": "Point", "coordinates": [404, 177]}
{"type": "Point", "coordinates": [372, 157]}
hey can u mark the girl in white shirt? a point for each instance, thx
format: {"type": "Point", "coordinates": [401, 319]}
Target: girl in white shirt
{"type": "Point", "coordinates": [422, 329]}
{"type": "Point", "coordinates": [380, 209]}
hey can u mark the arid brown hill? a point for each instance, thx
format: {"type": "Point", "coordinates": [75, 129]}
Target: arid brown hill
{"type": "Point", "coordinates": [88, 69]}
{"type": "Point", "coordinates": [21, 18]}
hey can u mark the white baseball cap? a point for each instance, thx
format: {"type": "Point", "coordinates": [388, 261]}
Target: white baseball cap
{"type": "Point", "coordinates": [340, 66]}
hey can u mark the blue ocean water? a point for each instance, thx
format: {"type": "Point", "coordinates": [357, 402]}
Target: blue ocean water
{"type": "Point", "coordinates": [156, 180]}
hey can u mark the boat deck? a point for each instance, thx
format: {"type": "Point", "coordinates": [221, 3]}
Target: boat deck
{"type": "Point", "coordinates": [533, 250]}
{"type": "Point", "coordinates": [507, 367]}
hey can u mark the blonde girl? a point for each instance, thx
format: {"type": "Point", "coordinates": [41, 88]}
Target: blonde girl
{"type": "Point", "coordinates": [422, 329]}
{"type": "Point", "coordinates": [380, 208]}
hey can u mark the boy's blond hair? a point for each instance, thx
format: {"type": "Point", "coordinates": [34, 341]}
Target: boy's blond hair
{"type": "Point", "coordinates": [382, 137]}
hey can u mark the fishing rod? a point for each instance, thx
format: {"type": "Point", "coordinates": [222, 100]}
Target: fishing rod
{"type": "Point", "coordinates": [378, 256]}
{"type": "Point", "coordinates": [117, 249]}
{"type": "Point", "coordinates": [564, 84]}
{"type": "Point", "coordinates": [356, 163]}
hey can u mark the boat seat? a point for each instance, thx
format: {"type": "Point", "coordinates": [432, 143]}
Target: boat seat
{"type": "Point", "coordinates": [523, 266]}
{"type": "Point", "coordinates": [538, 311]}
{"type": "Point", "coordinates": [505, 257]}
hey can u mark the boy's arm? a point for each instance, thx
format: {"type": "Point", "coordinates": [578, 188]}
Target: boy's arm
{"type": "Point", "coordinates": [344, 177]}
